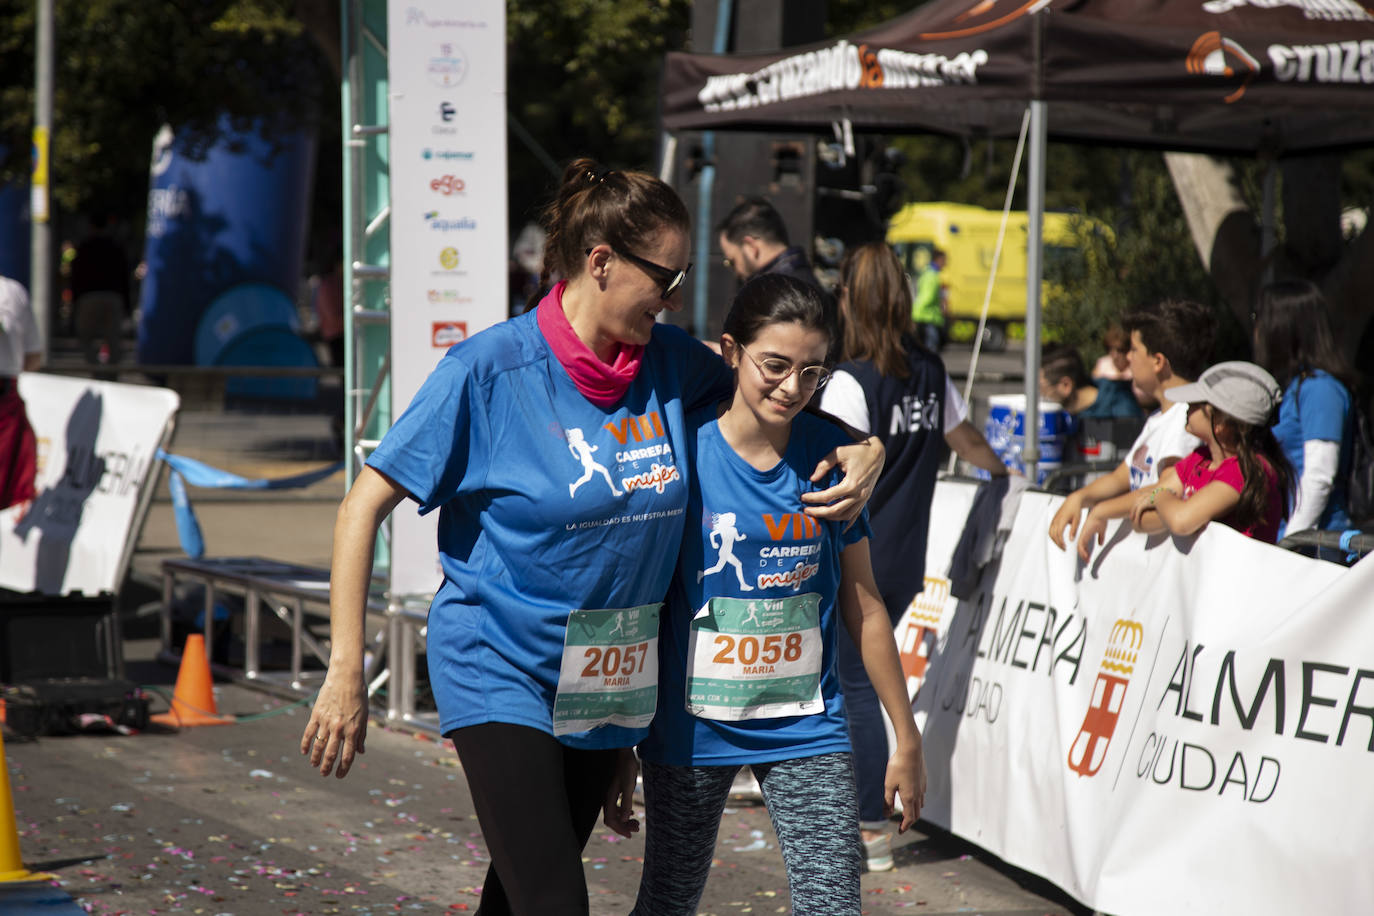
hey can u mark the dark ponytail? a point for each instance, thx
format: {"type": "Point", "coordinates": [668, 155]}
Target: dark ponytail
{"type": "Point", "coordinates": [596, 204]}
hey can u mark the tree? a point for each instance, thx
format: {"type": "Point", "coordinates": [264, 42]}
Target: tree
{"type": "Point", "coordinates": [126, 67]}
{"type": "Point", "coordinates": [1313, 192]}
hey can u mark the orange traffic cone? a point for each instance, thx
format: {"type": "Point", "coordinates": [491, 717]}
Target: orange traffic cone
{"type": "Point", "coordinates": [193, 700]}
{"type": "Point", "coordinates": [11, 866]}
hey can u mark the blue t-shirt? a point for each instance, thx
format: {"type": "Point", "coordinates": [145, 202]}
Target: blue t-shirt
{"type": "Point", "coordinates": [1114, 399]}
{"type": "Point", "coordinates": [779, 545]}
{"type": "Point", "coordinates": [1318, 407]}
{"type": "Point", "coordinates": [547, 504]}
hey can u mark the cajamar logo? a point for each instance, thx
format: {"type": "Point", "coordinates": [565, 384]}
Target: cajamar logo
{"type": "Point", "coordinates": [1213, 55]}
{"type": "Point", "coordinates": [1089, 749]}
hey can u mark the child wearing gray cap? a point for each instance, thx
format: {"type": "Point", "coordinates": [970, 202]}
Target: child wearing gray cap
{"type": "Point", "coordinates": [1239, 475]}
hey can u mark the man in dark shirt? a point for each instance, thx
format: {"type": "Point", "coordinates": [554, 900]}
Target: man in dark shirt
{"type": "Point", "coordinates": [100, 292]}
{"type": "Point", "coordinates": [753, 239]}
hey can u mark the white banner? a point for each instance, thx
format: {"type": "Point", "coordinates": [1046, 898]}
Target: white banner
{"type": "Point", "coordinates": [449, 247]}
{"type": "Point", "coordinates": [1178, 726]}
{"type": "Point", "coordinates": [97, 450]}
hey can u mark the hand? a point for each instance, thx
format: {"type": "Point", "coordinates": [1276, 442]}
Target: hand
{"type": "Point", "coordinates": [1143, 503]}
{"type": "Point", "coordinates": [337, 728]}
{"type": "Point", "coordinates": [1068, 514]}
{"type": "Point", "coordinates": [620, 796]}
{"type": "Point", "coordinates": [861, 462]}
{"type": "Point", "coordinates": [906, 775]}
{"type": "Point", "coordinates": [1094, 528]}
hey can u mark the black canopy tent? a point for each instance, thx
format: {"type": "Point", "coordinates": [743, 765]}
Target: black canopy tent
{"type": "Point", "coordinates": [1279, 77]}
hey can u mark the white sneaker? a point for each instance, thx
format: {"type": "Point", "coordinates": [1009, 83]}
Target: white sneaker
{"type": "Point", "coordinates": [878, 852]}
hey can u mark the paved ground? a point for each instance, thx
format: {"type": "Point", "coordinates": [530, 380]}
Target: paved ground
{"type": "Point", "coordinates": [231, 820]}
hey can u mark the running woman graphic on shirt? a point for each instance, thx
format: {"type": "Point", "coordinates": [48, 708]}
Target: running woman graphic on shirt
{"type": "Point", "coordinates": [723, 536]}
{"type": "Point", "coordinates": [582, 451]}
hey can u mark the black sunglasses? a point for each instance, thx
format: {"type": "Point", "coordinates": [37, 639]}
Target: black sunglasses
{"type": "Point", "coordinates": [668, 278]}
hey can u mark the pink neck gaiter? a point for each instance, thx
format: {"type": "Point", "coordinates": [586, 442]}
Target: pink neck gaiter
{"type": "Point", "coordinates": [602, 384]}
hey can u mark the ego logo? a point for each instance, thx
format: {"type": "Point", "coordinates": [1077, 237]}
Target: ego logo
{"type": "Point", "coordinates": [448, 258]}
{"type": "Point", "coordinates": [1212, 55]}
{"type": "Point", "coordinates": [917, 632]}
{"type": "Point", "coordinates": [1118, 662]}
{"type": "Point", "coordinates": [445, 334]}
{"type": "Point", "coordinates": [448, 185]}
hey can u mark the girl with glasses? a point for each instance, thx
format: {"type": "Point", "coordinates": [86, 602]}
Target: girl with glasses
{"type": "Point", "coordinates": [552, 446]}
{"type": "Point", "coordinates": [748, 660]}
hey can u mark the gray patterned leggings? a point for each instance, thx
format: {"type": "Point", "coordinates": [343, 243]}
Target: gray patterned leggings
{"type": "Point", "coordinates": [815, 814]}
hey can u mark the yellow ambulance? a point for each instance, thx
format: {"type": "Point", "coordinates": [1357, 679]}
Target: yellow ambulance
{"type": "Point", "coordinates": [968, 237]}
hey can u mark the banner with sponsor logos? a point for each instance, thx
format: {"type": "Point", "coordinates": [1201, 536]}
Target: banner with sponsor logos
{"type": "Point", "coordinates": [449, 246]}
{"type": "Point", "coordinates": [1177, 726]}
{"type": "Point", "coordinates": [97, 447]}
{"type": "Point", "coordinates": [1225, 75]}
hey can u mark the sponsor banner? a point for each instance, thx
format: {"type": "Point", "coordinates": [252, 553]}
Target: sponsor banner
{"type": "Point", "coordinates": [1200, 710]}
{"type": "Point", "coordinates": [448, 212]}
{"type": "Point", "coordinates": [97, 446]}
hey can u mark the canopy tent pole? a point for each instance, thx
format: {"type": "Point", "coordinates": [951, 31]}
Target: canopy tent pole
{"type": "Point", "coordinates": [1035, 212]}
{"type": "Point", "coordinates": [724, 13]}
{"type": "Point", "coordinates": [992, 272]}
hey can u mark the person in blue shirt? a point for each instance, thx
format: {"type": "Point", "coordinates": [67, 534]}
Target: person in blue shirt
{"type": "Point", "coordinates": [1294, 342]}
{"type": "Point", "coordinates": [749, 637]}
{"type": "Point", "coordinates": [1064, 379]}
{"type": "Point", "coordinates": [552, 446]}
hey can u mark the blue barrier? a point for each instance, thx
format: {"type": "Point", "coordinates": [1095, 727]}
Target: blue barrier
{"type": "Point", "coordinates": [199, 474]}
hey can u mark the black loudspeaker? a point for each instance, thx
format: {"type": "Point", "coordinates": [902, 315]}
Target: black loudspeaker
{"type": "Point", "coordinates": [780, 168]}
{"type": "Point", "coordinates": [42, 638]}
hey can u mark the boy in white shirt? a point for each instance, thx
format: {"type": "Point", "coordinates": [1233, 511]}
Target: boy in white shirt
{"type": "Point", "coordinates": [1171, 344]}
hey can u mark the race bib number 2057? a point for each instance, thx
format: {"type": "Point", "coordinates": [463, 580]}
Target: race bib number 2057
{"type": "Point", "coordinates": [609, 672]}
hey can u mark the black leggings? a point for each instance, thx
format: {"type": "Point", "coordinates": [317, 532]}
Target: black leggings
{"type": "Point", "coordinates": [537, 802]}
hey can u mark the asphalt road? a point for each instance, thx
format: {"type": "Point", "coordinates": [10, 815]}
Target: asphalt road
{"type": "Point", "coordinates": [231, 820]}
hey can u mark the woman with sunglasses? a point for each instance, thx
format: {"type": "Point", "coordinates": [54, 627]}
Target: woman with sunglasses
{"type": "Point", "coordinates": [748, 647]}
{"type": "Point", "coordinates": [551, 445]}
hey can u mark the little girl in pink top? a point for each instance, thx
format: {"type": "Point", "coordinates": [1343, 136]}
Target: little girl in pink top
{"type": "Point", "coordinates": [1239, 475]}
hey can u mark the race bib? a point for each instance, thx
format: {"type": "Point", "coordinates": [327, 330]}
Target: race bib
{"type": "Point", "coordinates": [755, 658]}
{"type": "Point", "coordinates": [609, 673]}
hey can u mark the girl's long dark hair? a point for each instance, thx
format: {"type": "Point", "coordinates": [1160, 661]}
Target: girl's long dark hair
{"type": "Point", "coordinates": [1255, 447]}
{"type": "Point", "coordinates": [878, 324]}
{"type": "Point", "coordinates": [1293, 336]}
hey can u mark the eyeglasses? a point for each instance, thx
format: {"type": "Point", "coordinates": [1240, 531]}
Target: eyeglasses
{"type": "Point", "coordinates": [775, 371]}
{"type": "Point", "coordinates": [669, 280]}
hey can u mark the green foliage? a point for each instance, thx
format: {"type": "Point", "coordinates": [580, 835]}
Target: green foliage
{"type": "Point", "coordinates": [125, 67]}
{"type": "Point", "coordinates": [1150, 256]}
{"type": "Point", "coordinates": [582, 78]}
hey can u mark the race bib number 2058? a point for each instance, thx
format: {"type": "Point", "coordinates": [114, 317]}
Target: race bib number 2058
{"type": "Point", "coordinates": [756, 658]}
